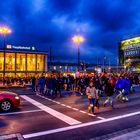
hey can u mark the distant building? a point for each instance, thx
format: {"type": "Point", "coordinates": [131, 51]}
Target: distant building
{"type": "Point", "coordinates": [72, 67]}
{"type": "Point", "coordinates": [62, 67]}
{"type": "Point", "coordinates": [129, 54]}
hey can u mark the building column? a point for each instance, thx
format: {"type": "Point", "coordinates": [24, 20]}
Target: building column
{"type": "Point", "coordinates": [26, 63]}
{"type": "Point", "coordinates": [46, 63]}
{"type": "Point", "coordinates": [15, 63]}
{"type": "Point", "coordinates": [36, 62]}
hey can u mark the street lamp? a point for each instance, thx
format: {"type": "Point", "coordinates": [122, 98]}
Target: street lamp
{"type": "Point", "coordinates": [4, 31]}
{"type": "Point", "coordinates": [78, 40]}
{"type": "Point", "coordinates": [125, 68]}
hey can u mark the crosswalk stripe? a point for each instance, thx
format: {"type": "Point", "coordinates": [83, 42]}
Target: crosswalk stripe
{"type": "Point", "coordinates": [52, 112]}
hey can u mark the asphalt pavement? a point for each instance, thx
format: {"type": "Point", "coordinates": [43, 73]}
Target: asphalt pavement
{"type": "Point", "coordinates": [42, 118]}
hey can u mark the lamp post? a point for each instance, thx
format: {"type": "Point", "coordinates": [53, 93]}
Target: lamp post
{"type": "Point", "coordinates": [4, 31]}
{"type": "Point", "coordinates": [78, 40]}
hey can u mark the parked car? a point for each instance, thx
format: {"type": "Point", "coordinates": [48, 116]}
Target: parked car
{"type": "Point", "coordinates": [8, 100]}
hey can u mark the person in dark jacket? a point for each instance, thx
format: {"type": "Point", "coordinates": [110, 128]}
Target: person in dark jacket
{"type": "Point", "coordinates": [41, 84]}
{"type": "Point", "coordinates": [51, 85]}
{"type": "Point", "coordinates": [59, 85]}
{"type": "Point", "coordinates": [33, 84]}
{"type": "Point", "coordinates": [109, 90]}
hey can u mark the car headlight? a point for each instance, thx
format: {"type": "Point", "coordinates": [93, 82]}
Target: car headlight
{"type": "Point", "coordinates": [17, 97]}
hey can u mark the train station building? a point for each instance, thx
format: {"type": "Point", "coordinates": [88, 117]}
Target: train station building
{"type": "Point", "coordinates": [22, 61]}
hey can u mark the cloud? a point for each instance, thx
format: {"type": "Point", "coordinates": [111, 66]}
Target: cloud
{"type": "Point", "coordinates": [52, 23]}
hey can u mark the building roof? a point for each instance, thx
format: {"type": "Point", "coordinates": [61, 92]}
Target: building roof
{"type": "Point", "coordinates": [24, 51]}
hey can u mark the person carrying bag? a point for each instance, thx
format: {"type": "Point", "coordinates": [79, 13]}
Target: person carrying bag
{"type": "Point", "coordinates": [92, 96]}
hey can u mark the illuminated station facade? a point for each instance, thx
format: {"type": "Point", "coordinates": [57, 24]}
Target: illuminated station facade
{"type": "Point", "coordinates": [21, 61]}
{"type": "Point", "coordinates": [129, 54]}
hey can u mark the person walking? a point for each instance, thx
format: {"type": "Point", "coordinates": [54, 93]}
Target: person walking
{"type": "Point", "coordinates": [92, 96]}
{"type": "Point", "coordinates": [120, 85]}
{"type": "Point", "coordinates": [126, 89]}
{"type": "Point", "coordinates": [33, 84]}
{"type": "Point", "coordinates": [41, 84]}
{"type": "Point", "coordinates": [109, 90]}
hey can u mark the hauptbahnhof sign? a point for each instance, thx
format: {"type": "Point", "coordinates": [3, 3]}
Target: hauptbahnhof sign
{"type": "Point", "coordinates": [20, 47]}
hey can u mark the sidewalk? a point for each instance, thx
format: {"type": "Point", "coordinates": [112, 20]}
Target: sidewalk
{"type": "Point", "coordinates": [126, 134]}
{"type": "Point", "coordinates": [135, 135]}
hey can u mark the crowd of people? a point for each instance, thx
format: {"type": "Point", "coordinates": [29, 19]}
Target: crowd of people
{"type": "Point", "coordinates": [10, 81]}
{"type": "Point", "coordinates": [94, 86]}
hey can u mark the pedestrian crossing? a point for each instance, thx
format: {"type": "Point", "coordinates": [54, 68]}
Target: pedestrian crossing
{"type": "Point", "coordinates": [52, 112]}
{"type": "Point", "coordinates": [54, 116]}
{"type": "Point", "coordinates": [73, 108]}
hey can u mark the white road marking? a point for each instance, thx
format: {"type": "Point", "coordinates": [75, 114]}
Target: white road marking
{"type": "Point", "coordinates": [7, 136]}
{"type": "Point", "coordinates": [79, 125]}
{"type": "Point", "coordinates": [63, 104]}
{"type": "Point", "coordinates": [53, 112]}
{"type": "Point", "coordinates": [11, 136]}
{"type": "Point", "coordinates": [101, 118]}
{"type": "Point", "coordinates": [57, 102]}
{"type": "Point", "coordinates": [91, 114]}
{"type": "Point", "coordinates": [68, 106]}
{"type": "Point", "coordinates": [76, 109]}
{"type": "Point", "coordinates": [82, 111]}
{"type": "Point", "coordinates": [20, 112]}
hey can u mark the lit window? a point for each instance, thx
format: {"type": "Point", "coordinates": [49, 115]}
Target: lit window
{"type": "Point", "coordinates": [20, 62]}
{"type": "Point", "coordinates": [40, 62]}
{"type": "Point", "coordinates": [31, 62]}
{"type": "Point", "coordinates": [10, 61]}
{"type": "Point", "coordinates": [1, 60]}
{"type": "Point", "coordinates": [54, 67]}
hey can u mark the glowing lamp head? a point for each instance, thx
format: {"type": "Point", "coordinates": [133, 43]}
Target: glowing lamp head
{"type": "Point", "coordinates": [78, 39]}
{"type": "Point", "coordinates": [4, 30]}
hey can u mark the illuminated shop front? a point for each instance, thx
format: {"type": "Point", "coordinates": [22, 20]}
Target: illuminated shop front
{"type": "Point", "coordinates": [129, 54]}
{"type": "Point", "coordinates": [22, 62]}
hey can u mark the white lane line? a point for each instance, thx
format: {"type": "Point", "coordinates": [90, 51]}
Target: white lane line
{"type": "Point", "coordinates": [82, 111]}
{"type": "Point", "coordinates": [5, 137]}
{"type": "Point", "coordinates": [20, 112]}
{"type": "Point", "coordinates": [79, 125]}
{"type": "Point", "coordinates": [53, 112]}
{"type": "Point", "coordinates": [101, 118]}
{"type": "Point", "coordinates": [57, 102]}
{"type": "Point", "coordinates": [91, 114]}
{"type": "Point", "coordinates": [68, 106]}
{"type": "Point", "coordinates": [76, 109]}
{"type": "Point", "coordinates": [63, 104]}
{"type": "Point", "coordinates": [12, 136]}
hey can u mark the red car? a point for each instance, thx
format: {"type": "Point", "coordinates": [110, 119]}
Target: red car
{"type": "Point", "coordinates": [8, 100]}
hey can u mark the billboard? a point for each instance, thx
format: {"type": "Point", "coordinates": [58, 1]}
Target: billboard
{"type": "Point", "coordinates": [129, 49]}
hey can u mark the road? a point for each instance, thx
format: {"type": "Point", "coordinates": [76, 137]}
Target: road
{"type": "Point", "coordinates": [40, 117]}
